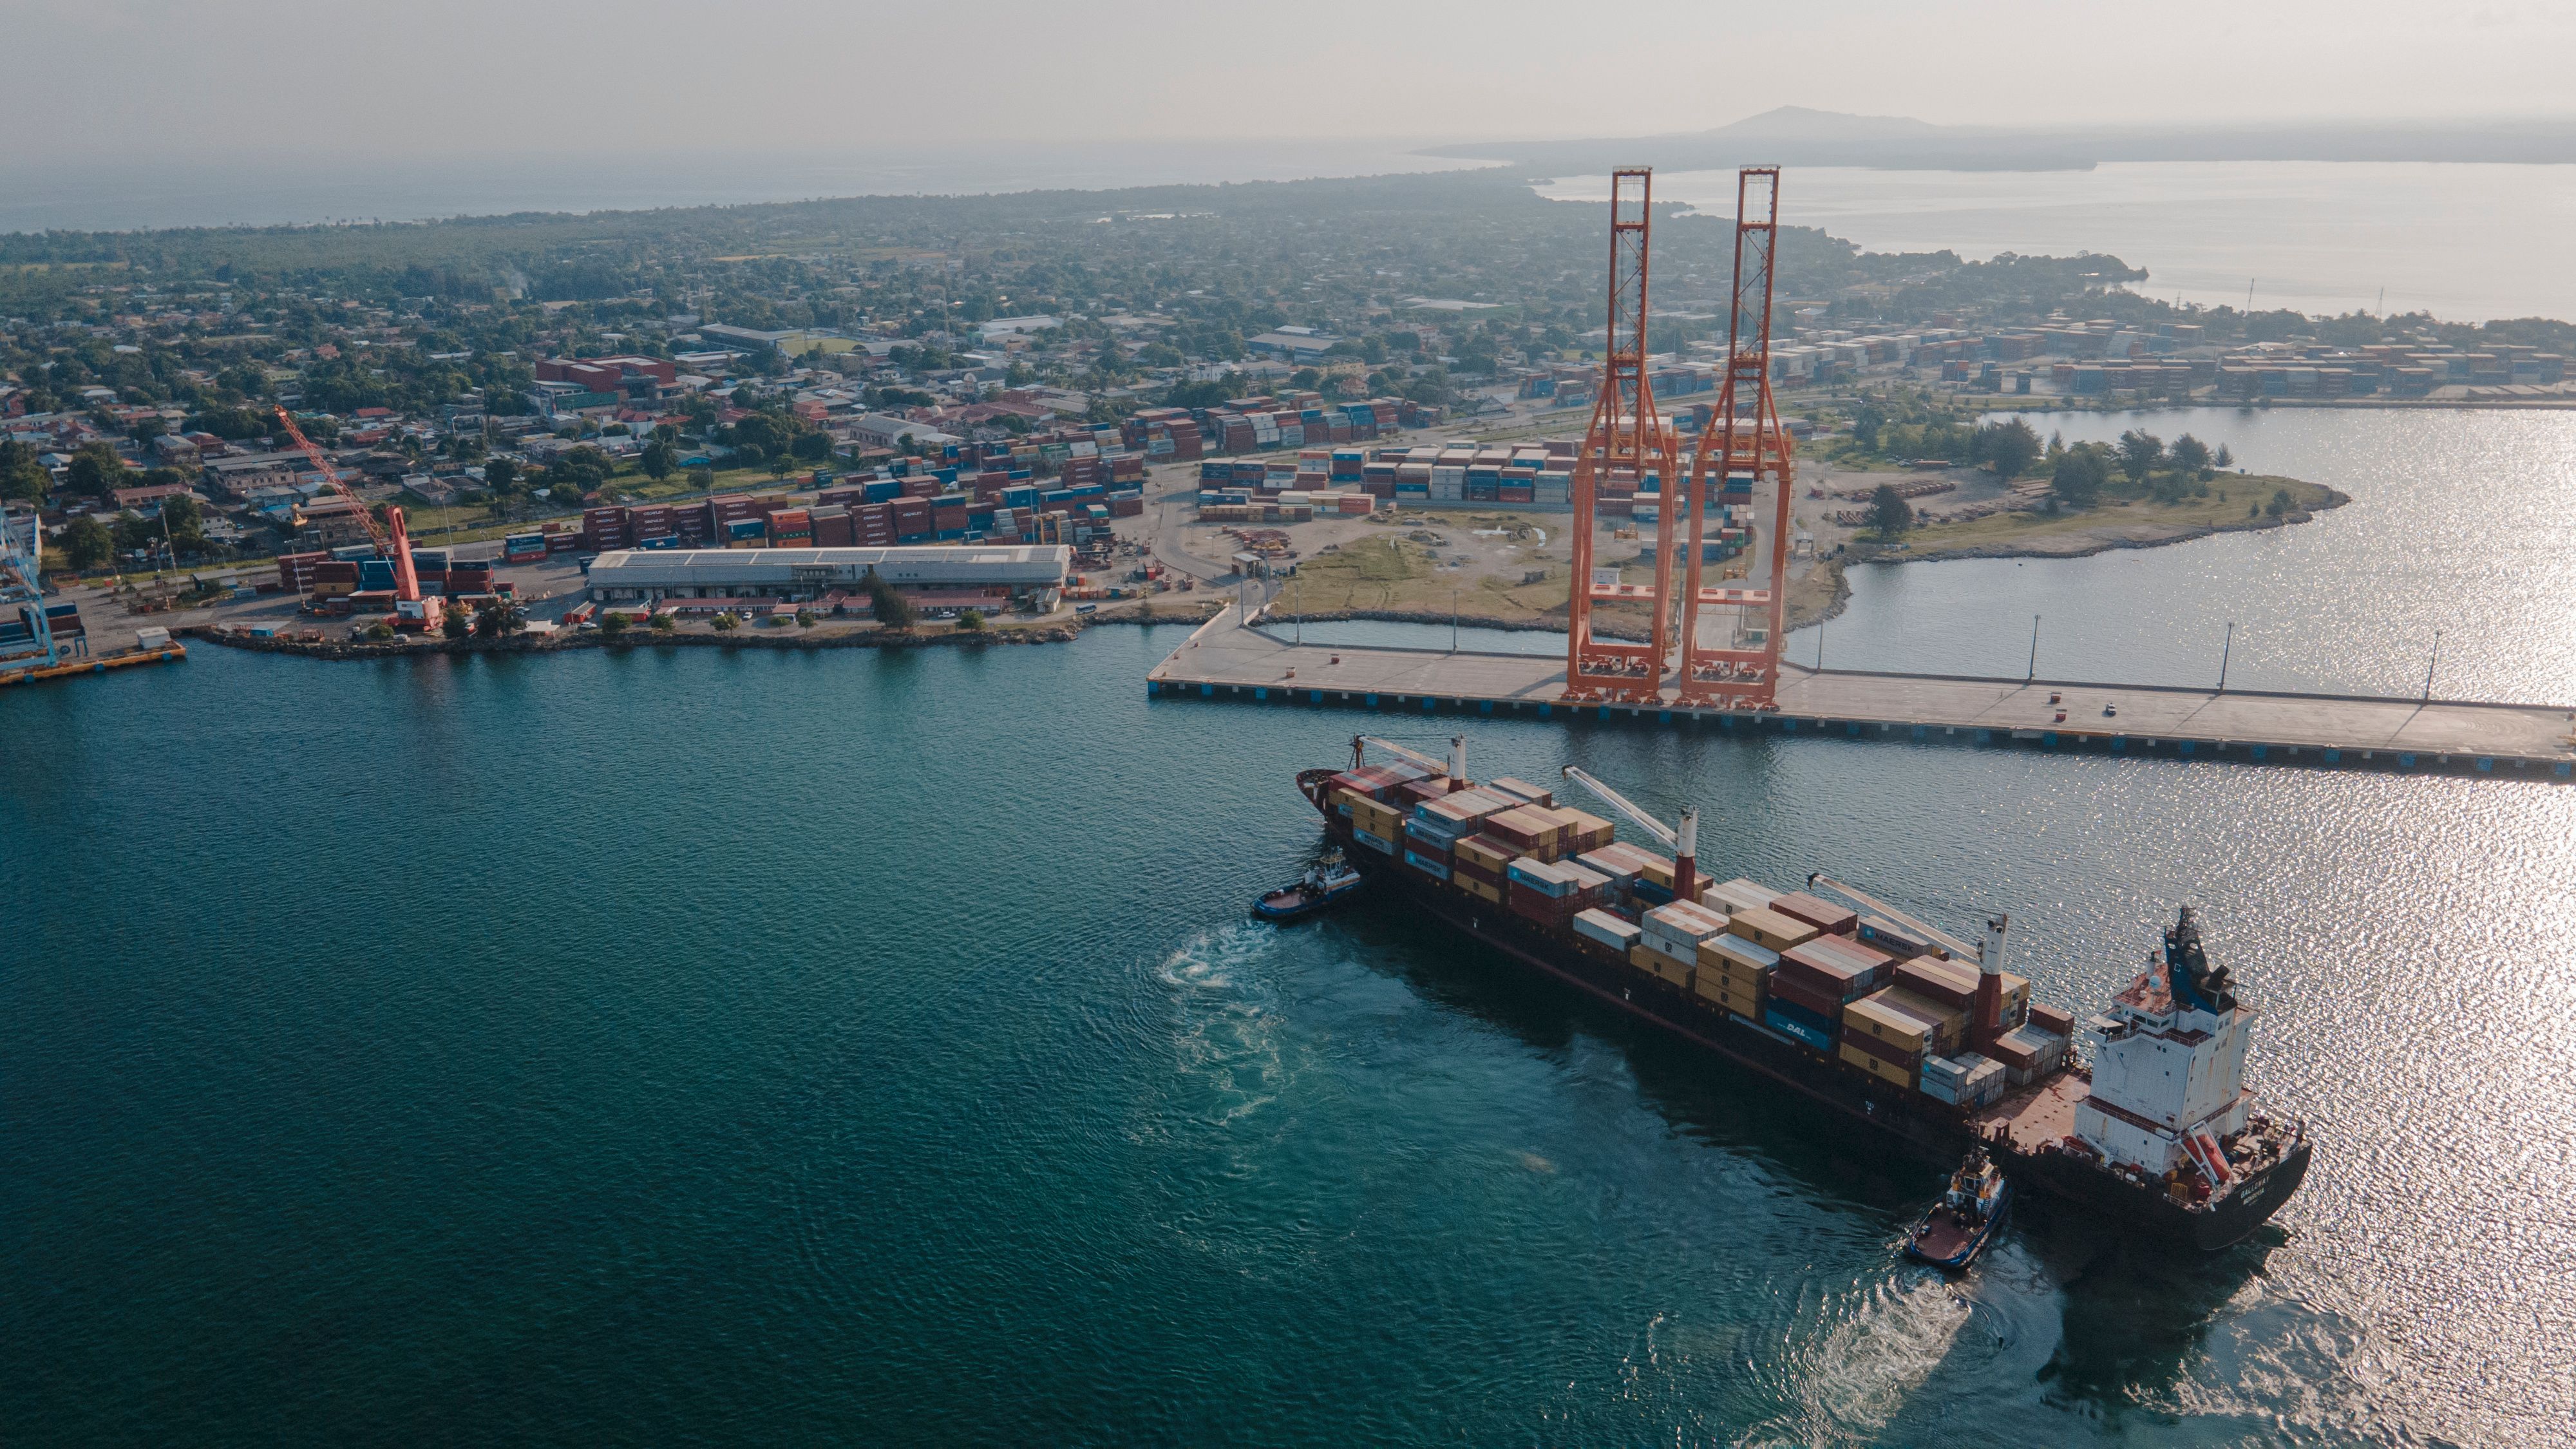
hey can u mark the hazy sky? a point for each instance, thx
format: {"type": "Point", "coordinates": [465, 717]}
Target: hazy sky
{"type": "Point", "coordinates": [112, 78]}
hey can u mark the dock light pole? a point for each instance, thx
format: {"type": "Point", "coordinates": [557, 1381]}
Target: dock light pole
{"type": "Point", "coordinates": [2429, 665]}
{"type": "Point", "coordinates": [2034, 650]}
{"type": "Point", "coordinates": [2224, 650]}
{"type": "Point", "coordinates": [1453, 620]}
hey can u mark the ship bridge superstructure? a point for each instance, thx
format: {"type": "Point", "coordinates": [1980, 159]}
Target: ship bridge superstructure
{"type": "Point", "coordinates": [2168, 1065]}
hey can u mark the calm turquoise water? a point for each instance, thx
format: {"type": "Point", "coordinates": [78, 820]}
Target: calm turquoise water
{"type": "Point", "coordinates": [795, 1048]}
{"type": "Point", "coordinates": [2461, 523]}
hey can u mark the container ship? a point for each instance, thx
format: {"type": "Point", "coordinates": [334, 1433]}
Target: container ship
{"type": "Point", "coordinates": [1859, 1007]}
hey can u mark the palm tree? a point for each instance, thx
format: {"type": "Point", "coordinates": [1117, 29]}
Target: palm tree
{"type": "Point", "coordinates": [498, 616]}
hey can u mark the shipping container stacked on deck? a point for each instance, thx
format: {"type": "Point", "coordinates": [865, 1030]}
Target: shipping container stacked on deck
{"type": "Point", "coordinates": [1876, 996]}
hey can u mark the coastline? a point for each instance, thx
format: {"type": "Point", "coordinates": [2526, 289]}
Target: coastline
{"type": "Point", "coordinates": [341, 650]}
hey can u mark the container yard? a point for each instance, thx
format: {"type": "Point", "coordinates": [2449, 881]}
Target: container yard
{"type": "Point", "coordinates": [1838, 996]}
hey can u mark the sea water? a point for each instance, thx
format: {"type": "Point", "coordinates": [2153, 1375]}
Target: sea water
{"type": "Point", "coordinates": [691, 1045]}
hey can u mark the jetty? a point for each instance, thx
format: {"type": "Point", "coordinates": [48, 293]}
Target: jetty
{"type": "Point", "coordinates": [1240, 658]}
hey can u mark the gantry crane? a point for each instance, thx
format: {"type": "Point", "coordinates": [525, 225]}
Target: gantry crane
{"type": "Point", "coordinates": [1681, 837]}
{"type": "Point", "coordinates": [1743, 448]}
{"type": "Point", "coordinates": [392, 538]}
{"type": "Point", "coordinates": [1627, 444]}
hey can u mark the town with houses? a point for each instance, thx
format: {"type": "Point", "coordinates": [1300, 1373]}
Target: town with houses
{"type": "Point", "coordinates": [991, 397]}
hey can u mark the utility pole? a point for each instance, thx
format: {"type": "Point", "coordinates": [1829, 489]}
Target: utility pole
{"type": "Point", "coordinates": [2224, 651]}
{"type": "Point", "coordinates": [2429, 666]}
{"type": "Point", "coordinates": [1453, 620]}
{"type": "Point", "coordinates": [2034, 650]}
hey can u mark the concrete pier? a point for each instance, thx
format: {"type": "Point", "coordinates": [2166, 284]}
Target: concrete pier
{"type": "Point", "coordinates": [1228, 660]}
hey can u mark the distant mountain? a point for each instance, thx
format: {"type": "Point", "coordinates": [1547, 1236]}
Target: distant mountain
{"type": "Point", "coordinates": [1799, 136]}
{"type": "Point", "coordinates": [1798, 123]}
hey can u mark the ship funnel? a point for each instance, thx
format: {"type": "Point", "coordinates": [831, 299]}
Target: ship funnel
{"type": "Point", "coordinates": [1990, 961]}
{"type": "Point", "coordinates": [1457, 762]}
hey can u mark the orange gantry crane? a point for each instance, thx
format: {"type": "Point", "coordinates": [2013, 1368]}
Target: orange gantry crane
{"type": "Point", "coordinates": [1626, 444]}
{"type": "Point", "coordinates": [411, 611]}
{"type": "Point", "coordinates": [1743, 449]}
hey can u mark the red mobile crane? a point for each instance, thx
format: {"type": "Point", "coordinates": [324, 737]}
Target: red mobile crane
{"type": "Point", "coordinates": [411, 611]}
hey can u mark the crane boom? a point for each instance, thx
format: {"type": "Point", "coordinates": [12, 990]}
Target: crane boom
{"type": "Point", "coordinates": [1359, 743]}
{"type": "Point", "coordinates": [1940, 937]}
{"type": "Point", "coordinates": [331, 475]}
{"type": "Point", "coordinates": [1681, 838]}
{"type": "Point", "coordinates": [1624, 806]}
{"type": "Point", "coordinates": [410, 609]}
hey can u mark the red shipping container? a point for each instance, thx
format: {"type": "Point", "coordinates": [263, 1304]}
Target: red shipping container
{"type": "Point", "coordinates": [1824, 915]}
{"type": "Point", "coordinates": [1546, 910]}
{"type": "Point", "coordinates": [1843, 956]}
{"type": "Point", "coordinates": [1947, 982]}
{"type": "Point", "coordinates": [1790, 986]}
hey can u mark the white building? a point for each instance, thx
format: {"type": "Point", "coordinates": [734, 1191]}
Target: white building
{"type": "Point", "coordinates": [1005, 571]}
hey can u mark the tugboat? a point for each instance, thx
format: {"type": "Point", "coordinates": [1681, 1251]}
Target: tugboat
{"type": "Point", "coordinates": [1327, 883]}
{"type": "Point", "coordinates": [1960, 1224]}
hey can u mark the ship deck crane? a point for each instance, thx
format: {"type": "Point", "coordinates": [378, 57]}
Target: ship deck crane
{"type": "Point", "coordinates": [1986, 1015]}
{"type": "Point", "coordinates": [1455, 767]}
{"type": "Point", "coordinates": [1681, 838]}
{"type": "Point", "coordinates": [410, 609]}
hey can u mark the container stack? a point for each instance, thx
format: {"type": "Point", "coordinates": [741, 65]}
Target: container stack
{"type": "Point", "coordinates": [1530, 829]}
{"type": "Point", "coordinates": [1967, 1081]}
{"type": "Point", "coordinates": [1766, 927]}
{"type": "Point", "coordinates": [1735, 974]}
{"type": "Point", "coordinates": [1606, 930]}
{"type": "Point", "coordinates": [1738, 896]}
{"type": "Point", "coordinates": [1479, 866]}
{"type": "Point", "coordinates": [1432, 833]}
{"type": "Point", "coordinates": [1551, 894]}
{"type": "Point", "coordinates": [1521, 790]}
{"type": "Point", "coordinates": [1817, 978]}
{"type": "Point", "coordinates": [1824, 915]}
{"type": "Point", "coordinates": [1669, 941]}
{"type": "Point", "coordinates": [1625, 865]}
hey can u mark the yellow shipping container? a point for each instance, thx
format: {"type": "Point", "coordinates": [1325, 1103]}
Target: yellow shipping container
{"type": "Point", "coordinates": [1949, 1023]}
{"type": "Point", "coordinates": [1741, 985]}
{"type": "Point", "coordinates": [1666, 968]}
{"type": "Point", "coordinates": [1734, 997]}
{"type": "Point", "coordinates": [1477, 888]}
{"type": "Point", "coordinates": [1770, 929]}
{"type": "Point", "coordinates": [1586, 832]}
{"type": "Point", "coordinates": [1888, 1019]}
{"type": "Point", "coordinates": [1716, 953]}
{"type": "Point", "coordinates": [1888, 1072]}
{"type": "Point", "coordinates": [1475, 851]}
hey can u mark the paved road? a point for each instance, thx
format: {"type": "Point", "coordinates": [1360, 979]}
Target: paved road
{"type": "Point", "coordinates": [1227, 655]}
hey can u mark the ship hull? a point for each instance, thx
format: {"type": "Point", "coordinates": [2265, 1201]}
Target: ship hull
{"type": "Point", "coordinates": [1906, 1116]}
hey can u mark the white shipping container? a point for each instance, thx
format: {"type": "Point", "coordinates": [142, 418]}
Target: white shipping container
{"type": "Point", "coordinates": [1606, 928]}
{"type": "Point", "coordinates": [1685, 921]}
{"type": "Point", "coordinates": [1738, 895]}
{"type": "Point", "coordinates": [1743, 953]}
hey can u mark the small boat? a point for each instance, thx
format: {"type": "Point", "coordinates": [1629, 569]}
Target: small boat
{"type": "Point", "coordinates": [1327, 883]}
{"type": "Point", "coordinates": [1957, 1228]}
